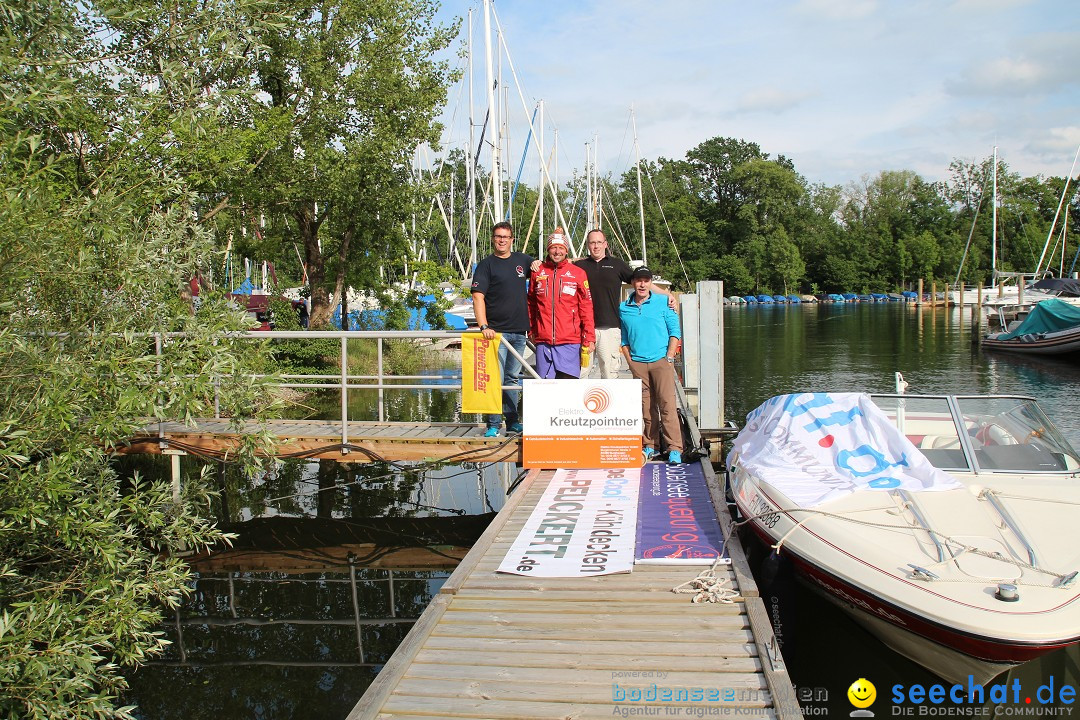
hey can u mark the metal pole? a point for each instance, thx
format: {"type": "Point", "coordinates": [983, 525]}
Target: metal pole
{"type": "Point", "coordinates": [356, 610]}
{"type": "Point", "coordinates": [344, 394]}
{"type": "Point", "coordinates": [382, 409]}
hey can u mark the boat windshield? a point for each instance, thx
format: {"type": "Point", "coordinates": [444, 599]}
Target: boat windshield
{"type": "Point", "coordinates": [990, 433]}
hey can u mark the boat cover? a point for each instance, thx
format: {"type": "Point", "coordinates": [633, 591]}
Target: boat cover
{"type": "Point", "coordinates": [817, 447]}
{"type": "Point", "coordinates": [1047, 316]}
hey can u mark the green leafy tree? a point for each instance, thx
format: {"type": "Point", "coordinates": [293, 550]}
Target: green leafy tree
{"type": "Point", "coordinates": [99, 232]}
{"type": "Point", "coordinates": [353, 88]}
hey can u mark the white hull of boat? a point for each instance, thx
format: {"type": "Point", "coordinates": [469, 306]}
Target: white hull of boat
{"type": "Point", "coordinates": [925, 570]}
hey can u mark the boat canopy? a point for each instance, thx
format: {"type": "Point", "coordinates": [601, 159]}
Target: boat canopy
{"type": "Point", "coordinates": [1066, 287]}
{"type": "Point", "coordinates": [1047, 316]}
{"type": "Point", "coordinates": [817, 447]}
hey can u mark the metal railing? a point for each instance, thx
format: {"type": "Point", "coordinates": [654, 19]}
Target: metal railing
{"type": "Point", "coordinates": [343, 380]}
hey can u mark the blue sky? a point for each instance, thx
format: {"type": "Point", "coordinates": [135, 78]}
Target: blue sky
{"type": "Point", "coordinates": [845, 88]}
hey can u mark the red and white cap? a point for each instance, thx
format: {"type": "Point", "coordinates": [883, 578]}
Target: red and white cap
{"type": "Point", "coordinates": [557, 238]}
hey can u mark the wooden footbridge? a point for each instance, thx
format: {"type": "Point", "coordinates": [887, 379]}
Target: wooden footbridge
{"type": "Point", "coordinates": [492, 645]}
{"type": "Point", "coordinates": [323, 440]}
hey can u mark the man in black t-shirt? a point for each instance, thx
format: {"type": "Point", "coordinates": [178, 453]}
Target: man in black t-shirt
{"type": "Point", "coordinates": [499, 290]}
{"type": "Point", "coordinates": [606, 277]}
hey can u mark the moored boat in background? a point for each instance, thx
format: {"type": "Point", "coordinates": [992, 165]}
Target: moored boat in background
{"type": "Point", "coordinates": [1052, 327]}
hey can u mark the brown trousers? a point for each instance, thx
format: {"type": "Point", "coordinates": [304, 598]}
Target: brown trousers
{"type": "Point", "coordinates": [658, 404]}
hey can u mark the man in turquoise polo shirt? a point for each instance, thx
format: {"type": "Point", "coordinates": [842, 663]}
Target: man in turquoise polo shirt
{"type": "Point", "coordinates": [650, 337]}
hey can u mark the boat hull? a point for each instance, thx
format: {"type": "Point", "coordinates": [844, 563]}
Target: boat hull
{"type": "Point", "coordinates": [1051, 344]}
{"type": "Point", "coordinates": [947, 652]}
{"type": "Point", "coordinates": [952, 655]}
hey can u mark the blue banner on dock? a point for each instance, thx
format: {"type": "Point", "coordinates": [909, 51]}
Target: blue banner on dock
{"type": "Point", "coordinates": [676, 520]}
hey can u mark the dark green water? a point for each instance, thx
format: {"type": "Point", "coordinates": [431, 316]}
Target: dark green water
{"type": "Point", "coordinates": [785, 349]}
{"type": "Point", "coordinates": [306, 662]}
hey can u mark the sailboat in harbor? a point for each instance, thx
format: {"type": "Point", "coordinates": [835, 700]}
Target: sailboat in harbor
{"type": "Point", "coordinates": [1001, 293]}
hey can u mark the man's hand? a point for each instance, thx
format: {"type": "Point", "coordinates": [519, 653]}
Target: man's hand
{"type": "Point", "coordinates": [673, 302]}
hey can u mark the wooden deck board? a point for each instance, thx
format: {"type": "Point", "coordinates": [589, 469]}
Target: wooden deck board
{"type": "Point", "coordinates": [511, 646]}
{"type": "Point", "coordinates": [321, 439]}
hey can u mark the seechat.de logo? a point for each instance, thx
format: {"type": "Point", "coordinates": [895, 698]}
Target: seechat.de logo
{"type": "Point", "coordinates": [596, 400]}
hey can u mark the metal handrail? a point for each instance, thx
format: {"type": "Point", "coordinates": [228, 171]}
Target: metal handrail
{"type": "Point", "coordinates": [343, 380]}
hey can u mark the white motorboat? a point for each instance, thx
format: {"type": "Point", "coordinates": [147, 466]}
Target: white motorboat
{"type": "Point", "coordinates": [946, 525]}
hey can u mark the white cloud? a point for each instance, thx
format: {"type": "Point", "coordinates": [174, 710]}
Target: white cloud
{"type": "Point", "coordinates": [838, 9]}
{"type": "Point", "coordinates": [769, 99]}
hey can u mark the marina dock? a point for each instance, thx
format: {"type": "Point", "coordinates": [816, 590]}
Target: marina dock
{"type": "Point", "coordinates": [332, 440]}
{"type": "Point", "coordinates": [495, 645]}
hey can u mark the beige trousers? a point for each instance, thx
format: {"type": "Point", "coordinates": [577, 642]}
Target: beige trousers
{"type": "Point", "coordinates": [607, 356]}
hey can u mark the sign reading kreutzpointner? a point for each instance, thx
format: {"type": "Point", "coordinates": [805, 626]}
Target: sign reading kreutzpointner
{"type": "Point", "coordinates": [584, 525]}
{"type": "Point", "coordinates": [582, 424]}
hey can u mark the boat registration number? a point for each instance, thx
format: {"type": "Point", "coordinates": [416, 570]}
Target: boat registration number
{"type": "Point", "coordinates": [763, 511]}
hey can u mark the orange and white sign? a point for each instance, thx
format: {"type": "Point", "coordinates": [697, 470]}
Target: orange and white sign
{"type": "Point", "coordinates": [481, 379]}
{"type": "Point", "coordinates": [582, 424]}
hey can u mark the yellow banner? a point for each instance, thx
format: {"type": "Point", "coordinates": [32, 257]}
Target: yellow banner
{"type": "Point", "coordinates": [481, 379]}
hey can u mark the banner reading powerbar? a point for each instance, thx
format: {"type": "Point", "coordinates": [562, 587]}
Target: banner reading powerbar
{"type": "Point", "coordinates": [583, 525]}
{"type": "Point", "coordinates": [582, 424]}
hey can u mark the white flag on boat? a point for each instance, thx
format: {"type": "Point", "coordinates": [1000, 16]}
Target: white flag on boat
{"type": "Point", "coordinates": [816, 447]}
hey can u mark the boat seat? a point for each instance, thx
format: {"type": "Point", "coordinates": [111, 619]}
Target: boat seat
{"type": "Point", "coordinates": [944, 442]}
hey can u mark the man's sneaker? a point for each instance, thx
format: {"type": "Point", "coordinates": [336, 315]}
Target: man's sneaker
{"type": "Point", "coordinates": [674, 457]}
{"type": "Point", "coordinates": [648, 453]}
{"type": "Point", "coordinates": [513, 429]}
{"type": "Point", "coordinates": [492, 432]}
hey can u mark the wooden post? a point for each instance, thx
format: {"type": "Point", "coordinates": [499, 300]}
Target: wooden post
{"type": "Point", "coordinates": [960, 299]}
{"type": "Point", "coordinates": [933, 294]}
{"type": "Point", "coordinates": [918, 300]}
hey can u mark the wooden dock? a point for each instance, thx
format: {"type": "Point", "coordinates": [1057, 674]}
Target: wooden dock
{"type": "Point", "coordinates": [322, 439]}
{"type": "Point", "coordinates": [494, 645]}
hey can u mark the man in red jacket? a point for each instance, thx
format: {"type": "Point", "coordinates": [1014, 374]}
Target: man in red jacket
{"type": "Point", "coordinates": [560, 312]}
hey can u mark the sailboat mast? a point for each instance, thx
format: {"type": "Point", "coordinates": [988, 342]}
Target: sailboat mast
{"type": "Point", "coordinates": [993, 231]}
{"type": "Point", "coordinates": [640, 201]}
{"type": "Point", "coordinates": [493, 114]}
{"type": "Point", "coordinates": [541, 188]}
{"type": "Point", "coordinates": [1061, 204]}
{"type": "Point", "coordinates": [470, 161]}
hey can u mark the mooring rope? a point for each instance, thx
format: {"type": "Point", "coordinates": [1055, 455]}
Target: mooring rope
{"type": "Point", "coordinates": [708, 587]}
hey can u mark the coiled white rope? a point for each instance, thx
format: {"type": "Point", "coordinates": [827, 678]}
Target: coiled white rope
{"type": "Point", "coordinates": [708, 587]}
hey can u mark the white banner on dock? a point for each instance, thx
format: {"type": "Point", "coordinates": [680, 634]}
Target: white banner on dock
{"type": "Point", "coordinates": [584, 525]}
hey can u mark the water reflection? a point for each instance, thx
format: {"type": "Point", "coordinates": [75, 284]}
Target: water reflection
{"type": "Point", "coordinates": [269, 645]}
{"type": "Point", "coordinates": [255, 642]}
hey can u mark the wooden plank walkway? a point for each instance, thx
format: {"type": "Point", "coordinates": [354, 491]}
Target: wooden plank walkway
{"type": "Point", "coordinates": [494, 645]}
{"type": "Point", "coordinates": [321, 439]}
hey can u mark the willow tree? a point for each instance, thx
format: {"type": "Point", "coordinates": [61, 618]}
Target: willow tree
{"type": "Point", "coordinates": [349, 89]}
{"type": "Point", "coordinates": [99, 230]}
